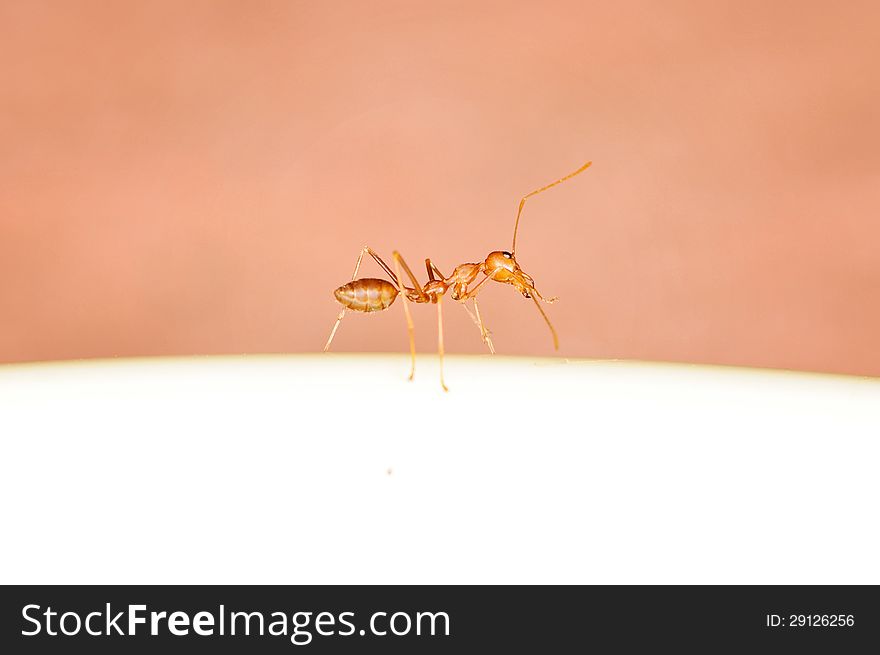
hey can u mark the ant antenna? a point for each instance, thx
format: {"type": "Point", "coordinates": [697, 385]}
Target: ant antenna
{"type": "Point", "coordinates": [536, 192]}
{"type": "Point", "coordinates": [549, 324]}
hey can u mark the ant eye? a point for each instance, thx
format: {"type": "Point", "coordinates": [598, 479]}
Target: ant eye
{"type": "Point", "coordinates": [507, 255]}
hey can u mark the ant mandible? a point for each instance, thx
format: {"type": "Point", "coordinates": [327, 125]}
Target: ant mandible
{"type": "Point", "coordinates": [374, 295]}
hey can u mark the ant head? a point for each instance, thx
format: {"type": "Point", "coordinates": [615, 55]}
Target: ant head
{"type": "Point", "coordinates": [501, 266]}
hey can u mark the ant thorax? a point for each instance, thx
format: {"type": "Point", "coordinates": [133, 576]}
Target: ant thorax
{"type": "Point", "coordinates": [462, 277]}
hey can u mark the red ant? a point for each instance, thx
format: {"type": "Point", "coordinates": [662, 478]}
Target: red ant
{"type": "Point", "coordinates": [374, 294]}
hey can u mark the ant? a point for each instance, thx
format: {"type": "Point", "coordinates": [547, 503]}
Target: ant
{"type": "Point", "coordinates": [375, 295]}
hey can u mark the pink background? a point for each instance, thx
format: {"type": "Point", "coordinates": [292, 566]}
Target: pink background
{"type": "Point", "coordinates": [197, 177]}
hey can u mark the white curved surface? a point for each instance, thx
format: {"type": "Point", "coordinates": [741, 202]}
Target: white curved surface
{"type": "Point", "coordinates": [335, 469]}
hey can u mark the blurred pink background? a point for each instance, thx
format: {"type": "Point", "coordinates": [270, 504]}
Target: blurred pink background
{"type": "Point", "coordinates": [197, 177]}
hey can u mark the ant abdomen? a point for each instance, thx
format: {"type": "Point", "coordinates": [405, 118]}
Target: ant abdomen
{"type": "Point", "coordinates": [366, 295]}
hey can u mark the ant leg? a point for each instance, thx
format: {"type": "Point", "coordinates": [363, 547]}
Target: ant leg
{"type": "Point", "coordinates": [423, 297]}
{"type": "Point", "coordinates": [440, 339]}
{"type": "Point", "coordinates": [549, 301]}
{"type": "Point", "coordinates": [477, 322]}
{"type": "Point", "coordinates": [430, 265]}
{"type": "Point", "coordinates": [470, 313]}
{"type": "Point", "coordinates": [409, 322]}
{"type": "Point", "coordinates": [394, 278]}
{"type": "Point", "coordinates": [333, 331]}
{"type": "Point", "coordinates": [357, 267]}
{"type": "Point", "coordinates": [483, 330]}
